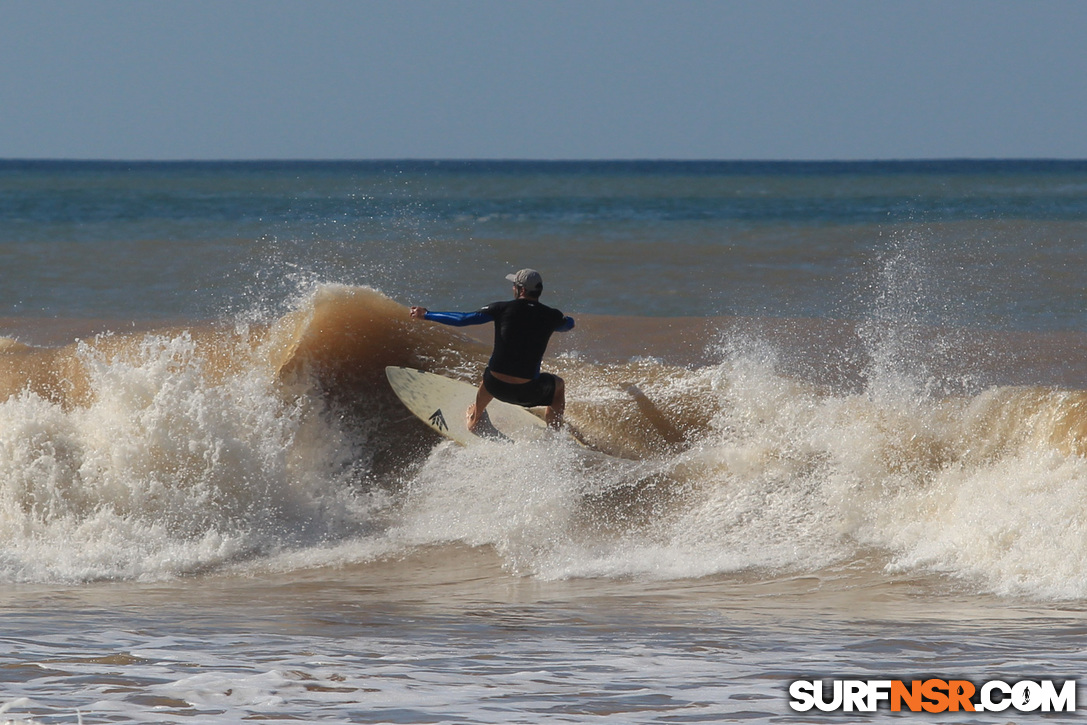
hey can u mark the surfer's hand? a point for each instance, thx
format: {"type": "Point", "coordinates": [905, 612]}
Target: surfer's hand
{"type": "Point", "coordinates": [417, 313]}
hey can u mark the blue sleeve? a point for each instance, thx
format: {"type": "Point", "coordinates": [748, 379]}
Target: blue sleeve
{"type": "Point", "coordinates": [566, 325]}
{"type": "Point", "coordinates": [459, 319]}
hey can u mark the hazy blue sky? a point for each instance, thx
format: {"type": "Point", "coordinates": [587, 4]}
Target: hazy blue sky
{"type": "Point", "coordinates": [584, 79]}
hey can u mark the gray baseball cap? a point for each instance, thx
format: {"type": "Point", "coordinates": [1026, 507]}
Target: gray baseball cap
{"type": "Point", "coordinates": [530, 279]}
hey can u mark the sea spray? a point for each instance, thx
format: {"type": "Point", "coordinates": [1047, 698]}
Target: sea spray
{"type": "Point", "coordinates": [171, 468]}
{"type": "Point", "coordinates": [188, 451]}
{"type": "Point", "coordinates": [789, 478]}
{"type": "Point", "coordinates": [511, 497]}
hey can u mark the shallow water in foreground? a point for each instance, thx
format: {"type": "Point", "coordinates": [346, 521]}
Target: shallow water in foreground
{"type": "Point", "coordinates": [447, 636]}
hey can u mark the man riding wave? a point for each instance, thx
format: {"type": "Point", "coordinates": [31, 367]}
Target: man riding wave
{"type": "Point", "coordinates": [522, 329]}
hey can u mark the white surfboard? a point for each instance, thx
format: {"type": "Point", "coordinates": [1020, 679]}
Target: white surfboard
{"type": "Point", "coordinates": [441, 402]}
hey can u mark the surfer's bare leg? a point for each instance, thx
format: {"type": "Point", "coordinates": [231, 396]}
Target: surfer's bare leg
{"type": "Point", "coordinates": [475, 410]}
{"type": "Point", "coordinates": [558, 405]}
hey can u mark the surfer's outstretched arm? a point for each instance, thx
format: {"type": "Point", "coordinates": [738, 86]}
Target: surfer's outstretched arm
{"type": "Point", "coordinates": [456, 319]}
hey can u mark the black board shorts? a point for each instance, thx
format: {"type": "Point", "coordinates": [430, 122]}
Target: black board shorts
{"type": "Point", "coordinates": [540, 391]}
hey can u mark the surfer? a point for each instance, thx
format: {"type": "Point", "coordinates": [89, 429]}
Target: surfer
{"type": "Point", "coordinates": [522, 328]}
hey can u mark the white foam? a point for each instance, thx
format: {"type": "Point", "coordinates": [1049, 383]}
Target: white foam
{"type": "Point", "coordinates": [788, 477]}
{"type": "Point", "coordinates": [173, 468]}
{"type": "Point", "coordinates": [168, 470]}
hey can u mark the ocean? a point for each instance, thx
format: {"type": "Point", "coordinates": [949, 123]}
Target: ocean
{"type": "Point", "coordinates": [843, 408]}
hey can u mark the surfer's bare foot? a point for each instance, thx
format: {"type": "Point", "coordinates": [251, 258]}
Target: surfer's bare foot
{"type": "Point", "coordinates": [474, 415]}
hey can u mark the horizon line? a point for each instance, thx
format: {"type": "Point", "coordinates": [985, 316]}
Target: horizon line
{"type": "Point", "coordinates": [468, 160]}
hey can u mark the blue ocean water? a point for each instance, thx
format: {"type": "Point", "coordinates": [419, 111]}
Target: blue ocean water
{"type": "Point", "coordinates": [1000, 240]}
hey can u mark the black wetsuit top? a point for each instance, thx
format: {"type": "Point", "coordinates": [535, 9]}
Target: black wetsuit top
{"type": "Point", "coordinates": [522, 329]}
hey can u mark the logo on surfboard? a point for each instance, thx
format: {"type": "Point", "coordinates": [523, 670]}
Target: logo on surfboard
{"type": "Point", "coordinates": [438, 420]}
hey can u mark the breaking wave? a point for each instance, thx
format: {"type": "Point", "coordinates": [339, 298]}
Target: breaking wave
{"type": "Point", "coordinates": [177, 452]}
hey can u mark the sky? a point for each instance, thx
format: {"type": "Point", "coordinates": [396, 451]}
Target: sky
{"type": "Point", "coordinates": [551, 79]}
